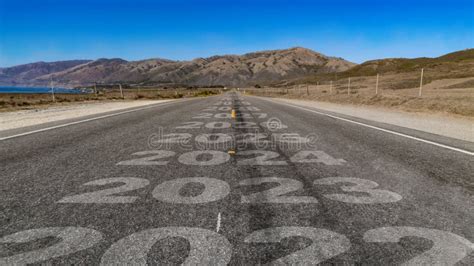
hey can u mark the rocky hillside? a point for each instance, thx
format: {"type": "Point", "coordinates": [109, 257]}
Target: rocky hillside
{"type": "Point", "coordinates": [229, 70]}
{"type": "Point", "coordinates": [455, 61]}
{"type": "Point", "coordinates": [28, 73]}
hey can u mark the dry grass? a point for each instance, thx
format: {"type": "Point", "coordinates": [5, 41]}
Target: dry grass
{"type": "Point", "coordinates": [21, 101]}
{"type": "Point", "coordinates": [453, 96]}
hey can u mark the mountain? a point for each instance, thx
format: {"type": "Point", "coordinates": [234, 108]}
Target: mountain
{"type": "Point", "coordinates": [229, 70]}
{"type": "Point", "coordinates": [25, 74]}
{"type": "Point", "coordinates": [459, 64]}
{"type": "Point", "coordinates": [399, 65]}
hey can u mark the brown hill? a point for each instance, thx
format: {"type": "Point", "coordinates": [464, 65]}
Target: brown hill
{"type": "Point", "coordinates": [229, 70]}
{"type": "Point", "coordinates": [25, 74]}
{"type": "Point", "coordinates": [458, 64]}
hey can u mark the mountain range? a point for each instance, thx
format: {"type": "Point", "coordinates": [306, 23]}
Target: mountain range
{"type": "Point", "coordinates": [294, 65]}
{"type": "Point", "coordinates": [228, 70]}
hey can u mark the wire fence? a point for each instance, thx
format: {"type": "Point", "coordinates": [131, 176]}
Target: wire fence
{"type": "Point", "coordinates": [375, 85]}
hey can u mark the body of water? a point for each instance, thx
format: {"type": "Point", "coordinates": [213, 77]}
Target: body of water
{"type": "Point", "coordinates": [8, 89]}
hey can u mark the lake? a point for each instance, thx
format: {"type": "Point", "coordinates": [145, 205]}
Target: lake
{"type": "Point", "coordinates": [11, 89]}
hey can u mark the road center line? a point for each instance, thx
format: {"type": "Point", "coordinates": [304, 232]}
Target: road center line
{"type": "Point", "coordinates": [377, 128]}
{"type": "Point", "coordinates": [86, 120]}
{"type": "Point", "coordinates": [218, 227]}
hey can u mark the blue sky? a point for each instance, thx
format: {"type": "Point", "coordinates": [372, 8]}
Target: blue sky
{"type": "Point", "coordinates": [51, 30]}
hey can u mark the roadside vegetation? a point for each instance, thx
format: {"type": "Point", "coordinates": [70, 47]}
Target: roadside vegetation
{"type": "Point", "coordinates": [459, 64]}
{"type": "Point", "coordinates": [22, 101]}
{"type": "Point", "coordinates": [448, 85]}
{"type": "Point", "coordinates": [450, 96]}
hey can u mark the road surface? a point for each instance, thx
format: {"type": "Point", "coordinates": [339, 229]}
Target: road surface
{"type": "Point", "coordinates": [233, 179]}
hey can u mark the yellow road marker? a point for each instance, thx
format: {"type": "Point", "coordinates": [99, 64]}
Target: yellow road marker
{"type": "Point", "coordinates": [232, 113]}
{"type": "Point", "coordinates": [231, 152]}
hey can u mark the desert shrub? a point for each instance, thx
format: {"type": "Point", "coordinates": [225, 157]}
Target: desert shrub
{"type": "Point", "coordinates": [205, 93]}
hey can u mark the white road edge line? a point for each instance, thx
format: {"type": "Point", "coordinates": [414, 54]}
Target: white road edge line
{"type": "Point", "coordinates": [218, 227]}
{"type": "Point", "coordinates": [85, 120]}
{"type": "Point", "coordinates": [377, 128]}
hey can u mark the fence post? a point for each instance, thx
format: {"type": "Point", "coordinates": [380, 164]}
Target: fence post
{"type": "Point", "coordinates": [349, 87]}
{"type": "Point", "coordinates": [421, 82]}
{"type": "Point", "coordinates": [307, 89]}
{"type": "Point", "coordinates": [377, 85]}
{"type": "Point", "coordinates": [330, 87]}
{"type": "Point", "coordinates": [121, 91]}
{"type": "Point", "coordinates": [52, 90]}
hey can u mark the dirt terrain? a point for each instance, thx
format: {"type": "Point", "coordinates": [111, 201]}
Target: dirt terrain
{"type": "Point", "coordinates": [23, 101]}
{"type": "Point", "coordinates": [445, 96]}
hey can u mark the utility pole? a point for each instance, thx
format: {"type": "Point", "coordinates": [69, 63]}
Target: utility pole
{"type": "Point", "coordinates": [121, 91]}
{"type": "Point", "coordinates": [377, 85]}
{"type": "Point", "coordinates": [52, 89]}
{"type": "Point", "coordinates": [421, 82]}
{"type": "Point", "coordinates": [349, 87]}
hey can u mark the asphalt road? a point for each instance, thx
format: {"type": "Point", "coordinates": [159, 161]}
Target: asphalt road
{"type": "Point", "coordinates": [188, 182]}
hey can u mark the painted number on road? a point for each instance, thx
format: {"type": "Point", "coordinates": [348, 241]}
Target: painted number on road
{"type": "Point", "coordinates": [169, 191]}
{"type": "Point", "coordinates": [263, 158]}
{"type": "Point", "coordinates": [361, 186]}
{"type": "Point", "coordinates": [206, 247]}
{"type": "Point", "coordinates": [107, 195]}
{"type": "Point", "coordinates": [149, 160]}
{"type": "Point", "coordinates": [325, 244]}
{"type": "Point", "coordinates": [73, 239]}
{"type": "Point", "coordinates": [447, 249]}
{"type": "Point", "coordinates": [276, 194]}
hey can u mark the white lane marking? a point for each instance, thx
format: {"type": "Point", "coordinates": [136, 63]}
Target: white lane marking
{"type": "Point", "coordinates": [380, 129]}
{"type": "Point", "coordinates": [85, 120]}
{"type": "Point", "coordinates": [218, 227]}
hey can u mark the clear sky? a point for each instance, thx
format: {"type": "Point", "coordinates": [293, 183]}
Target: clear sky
{"type": "Point", "coordinates": [50, 30]}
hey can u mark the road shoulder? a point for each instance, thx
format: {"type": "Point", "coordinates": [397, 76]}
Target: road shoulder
{"type": "Point", "coordinates": [27, 118]}
{"type": "Point", "coordinates": [60, 117]}
{"type": "Point", "coordinates": [443, 125]}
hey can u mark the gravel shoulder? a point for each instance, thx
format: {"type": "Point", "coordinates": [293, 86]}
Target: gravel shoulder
{"type": "Point", "coordinates": [444, 125]}
{"type": "Point", "coordinates": [24, 118]}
